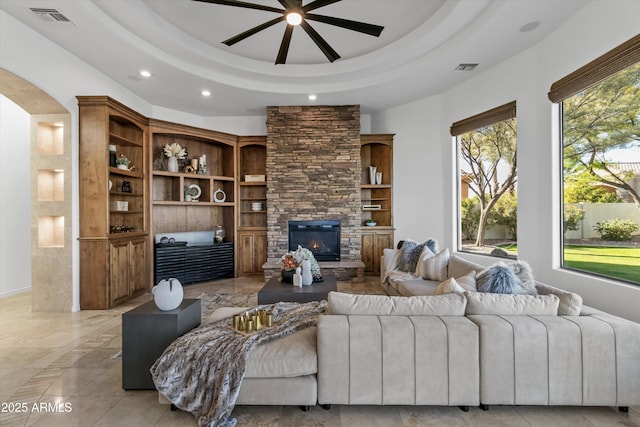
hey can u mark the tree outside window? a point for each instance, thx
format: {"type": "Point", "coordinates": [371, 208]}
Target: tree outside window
{"type": "Point", "coordinates": [488, 178]}
{"type": "Point", "coordinates": [601, 177]}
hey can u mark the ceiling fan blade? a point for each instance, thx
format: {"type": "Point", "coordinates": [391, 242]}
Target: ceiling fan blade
{"type": "Point", "coordinates": [243, 4]}
{"type": "Point", "coordinates": [328, 51]}
{"type": "Point", "coordinates": [235, 39]}
{"type": "Point", "coordinates": [361, 27]}
{"type": "Point", "coordinates": [318, 3]}
{"type": "Point", "coordinates": [284, 46]}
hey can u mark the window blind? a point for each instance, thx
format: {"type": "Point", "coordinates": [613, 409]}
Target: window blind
{"type": "Point", "coordinates": [495, 115]}
{"type": "Point", "coordinates": [617, 59]}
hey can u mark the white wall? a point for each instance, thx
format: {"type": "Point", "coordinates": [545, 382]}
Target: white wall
{"type": "Point", "coordinates": [15, 199]}
{"type": "Point", "coordinates": [424, 202]}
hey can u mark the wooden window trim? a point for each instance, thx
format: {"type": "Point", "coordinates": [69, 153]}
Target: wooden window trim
{"type": "Point", "coordinates": [617, 59]}
{"type": "Point", "coordinates": [495, 115]}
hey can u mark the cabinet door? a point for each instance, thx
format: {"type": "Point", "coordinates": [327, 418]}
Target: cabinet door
{"type": "Point", "coordinates": [245, 253]}
{"type": "Point", "coordinates": [259, 251]}
{"type": "Point", "coordinates": [373, 244]}
{"type": "Point", "coordinates": [252, 253]}
{"type": "Point", "coordinates": [367, 251]}
{"type": "Point", "coordinates": [119, 271]}
{"type": "Point", "coordinates": [383, 240]}
{"type": "Point", "coordinates": [137, 266]}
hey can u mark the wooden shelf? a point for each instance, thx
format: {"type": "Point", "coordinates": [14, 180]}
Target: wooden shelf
{"type": "Point", "coordinates": [114, 267]}
{"type": "Point", "coordinates": [123, 141]}
{"type": "Point", "coordinates": [376, 150]}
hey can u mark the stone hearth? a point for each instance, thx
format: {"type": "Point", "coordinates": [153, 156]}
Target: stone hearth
{"type": "Point", "coordinates": [313, 173]}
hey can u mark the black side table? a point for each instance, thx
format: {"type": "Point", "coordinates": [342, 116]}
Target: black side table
{"type": "Point", "coordinates": [146, 333]}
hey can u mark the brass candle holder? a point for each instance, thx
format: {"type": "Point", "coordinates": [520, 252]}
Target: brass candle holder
{"type": "Point", "coordinates": [250, 322]}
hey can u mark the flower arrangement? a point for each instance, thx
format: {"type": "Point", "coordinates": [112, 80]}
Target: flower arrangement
{"type": "Point", "coordinates": [122, 160]}
{"type": "Point", "coordinates": [175, 150]}
{"type": "Point", "coordinates": [291, 260]}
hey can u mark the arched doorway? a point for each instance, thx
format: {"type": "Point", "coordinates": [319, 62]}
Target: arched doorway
{"type": "Point", "coordinates": [49, 196]}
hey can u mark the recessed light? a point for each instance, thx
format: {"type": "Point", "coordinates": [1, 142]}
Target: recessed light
{"type": "Point", "coordinates": [312, 97]}
{"type": "Point", "coordinates": [529, 27]}
{"type": "Point", "coordinates": [206, 93]}
{"type": "Point", "coordinates": [145, 73]}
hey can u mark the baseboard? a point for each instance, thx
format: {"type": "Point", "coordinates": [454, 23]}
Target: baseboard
{"type": "Point", "coordinates": [14, 292]}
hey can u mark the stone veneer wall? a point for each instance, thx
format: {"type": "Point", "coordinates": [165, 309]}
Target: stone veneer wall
{"type": "Point", "coordinates": [313, 173]}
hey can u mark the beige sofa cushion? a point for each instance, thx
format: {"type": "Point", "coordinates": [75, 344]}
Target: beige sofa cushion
{"type": "Point", "coordinates": [381, 305]}
{"type": "Point", "coordinates": [570, 303]}
{"type": "Point", "coordinates": [510, 304]}
{"type": "Point", "coordinates": [291, 356]}
{"type": "Point", "coordinates": [458, 266]}
{"type": "Point", "coordinates": [416, 287]}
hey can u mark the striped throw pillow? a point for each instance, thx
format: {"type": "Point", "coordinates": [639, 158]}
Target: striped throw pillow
{"type": "Point", "coordinates": [435, 268]}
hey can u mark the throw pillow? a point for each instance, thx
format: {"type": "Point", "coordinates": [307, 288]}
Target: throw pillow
{"type": "Point", "coordinates": [523, 271]}
{"type": "Point", "coordinates": [424, 256]}
{"type": "Point", "coordinates": [468, 281]}
{"type": "Point", "coordinates": [390, 259]}
{"type": "Point", "coordinates": [449, 286]}
{"type": "Point", "coordinates": [432, 244]}
{"type": "Point", "coordinates": [409, 256]}
{"type": "Point", "coordinates": [498, 279]}
{"type": "Point", "coordinates": [435, 268]}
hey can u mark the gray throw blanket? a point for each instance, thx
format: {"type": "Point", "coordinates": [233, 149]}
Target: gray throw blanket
{"type": "Point", "coordinates": [201, 372]}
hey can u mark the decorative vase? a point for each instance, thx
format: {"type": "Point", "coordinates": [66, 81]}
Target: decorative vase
{"type": "Point", "coordinates": [219, 233]}
{"type": "Point", "coordinates": [372, 174]}
{"type": "Point", "coordinates": [123, 167]}
{"type": "Point", "coordinates": [297, 278]}
{"type": "Point", "coordinates": [378, 178]}
{"type": "Point", "coordinates": [168, 294]}
{"type": "Point", "coordinates": [219, 196]}
{"type": "Point", "coordinates": [287, 276]}
{"type": "Point", "coordinates": [307, 277]}
{"type": "Point", "coordinates": [172, 164]}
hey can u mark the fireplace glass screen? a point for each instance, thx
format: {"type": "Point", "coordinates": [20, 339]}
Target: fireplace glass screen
{"type": "Point", "coordinates": [320, 237]}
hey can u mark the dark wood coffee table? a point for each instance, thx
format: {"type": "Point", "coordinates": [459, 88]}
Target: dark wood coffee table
{"type": "Point", "coordinates": [275, 291]}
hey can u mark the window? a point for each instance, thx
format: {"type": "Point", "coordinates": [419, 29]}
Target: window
{"type": "Point", "coordinates": [600, 107]}
{"type": "Point", "coordinates": [487, 176]}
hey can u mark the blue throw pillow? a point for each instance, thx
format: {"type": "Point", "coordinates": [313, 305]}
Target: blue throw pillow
{"type": "Point", "coordinates": [498, 279]}
{"type": "Point", "coordinates": [432, 244]}
{"type": "Point", "coordinates": [409, 255]}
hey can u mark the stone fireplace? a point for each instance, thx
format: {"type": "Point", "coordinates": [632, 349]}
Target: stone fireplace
{"type": "Point", "coordinates": [313, 174]}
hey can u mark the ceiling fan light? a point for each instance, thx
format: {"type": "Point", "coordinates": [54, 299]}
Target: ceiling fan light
{"type": "Point", "coordinates": [294, 18]}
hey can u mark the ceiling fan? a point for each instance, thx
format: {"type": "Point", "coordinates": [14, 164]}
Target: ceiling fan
{"type": "Point", "coordinates": [294, 13]}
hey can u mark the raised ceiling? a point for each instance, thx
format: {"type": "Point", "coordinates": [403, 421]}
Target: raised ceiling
{"type": "Point", "coordinates": [179, 42]}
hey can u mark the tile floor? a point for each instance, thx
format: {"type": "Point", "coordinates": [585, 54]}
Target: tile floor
{"type": "Point", "coordinates": [64, 362]}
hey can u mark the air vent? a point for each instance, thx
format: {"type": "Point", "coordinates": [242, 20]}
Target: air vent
{"type": "Point", "coordinates": [50, 15]}
{"type": "Point", "coordinates": [466, 67]}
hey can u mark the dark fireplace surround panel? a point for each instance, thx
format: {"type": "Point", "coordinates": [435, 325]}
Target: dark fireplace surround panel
{"type": "Point", "coordinates": [313, 174]}
{"type": "Point", "coordinates": [322, 238]}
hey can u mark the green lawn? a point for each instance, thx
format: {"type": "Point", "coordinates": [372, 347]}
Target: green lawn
{"type": "Point", "coordinates": [612, 261]}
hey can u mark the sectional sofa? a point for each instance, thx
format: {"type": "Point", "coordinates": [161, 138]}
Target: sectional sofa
{"type": "Point", "coordinates": [457, 349]}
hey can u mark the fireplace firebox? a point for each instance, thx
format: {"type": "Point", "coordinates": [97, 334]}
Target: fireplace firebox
{"type": "Point", "coordinates": [320, 237]}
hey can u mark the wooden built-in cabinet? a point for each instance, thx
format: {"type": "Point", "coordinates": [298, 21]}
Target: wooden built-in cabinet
{"type": "Point", "coordinates": [114, 216]}
{"type": "Point", "coordinates": [216, 205]}
{"type": "Point", "coordinates": [377, 199]}
{"type": "Point", "coordinates": [252, 211]}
